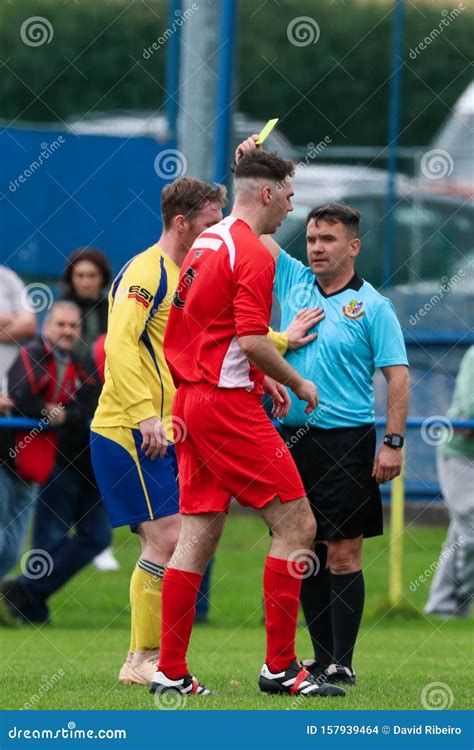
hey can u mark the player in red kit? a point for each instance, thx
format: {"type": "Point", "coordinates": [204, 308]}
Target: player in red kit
{"type": "Point", "coordinates": [222, 361]}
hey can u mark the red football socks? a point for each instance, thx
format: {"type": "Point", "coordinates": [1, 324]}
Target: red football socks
{"type": "Point", "coordinates": [281, 592]}
{"type": "Point", "coordinates": [180, 589]}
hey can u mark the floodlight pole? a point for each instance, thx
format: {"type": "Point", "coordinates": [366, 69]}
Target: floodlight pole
{"type": "Point", "coordinates": [198, 84]}
{"type": "Point", "coordinates": [393, 134]}
{"type": "Point", "coordinates": [172, 68]}
{"type": "Point", "coordinates": [225, 91]}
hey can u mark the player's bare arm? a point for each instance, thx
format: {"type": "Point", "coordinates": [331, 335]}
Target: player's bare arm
{"type": "Point", "coordinates": [388, 461]}
{"type": "Point", "coordinates": [271, 245]}
{"type": "Point", "coordinates": [264, 355]}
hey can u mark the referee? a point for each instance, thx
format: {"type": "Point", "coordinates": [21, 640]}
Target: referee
{"type": "Point", "coordinates": [334, 448]}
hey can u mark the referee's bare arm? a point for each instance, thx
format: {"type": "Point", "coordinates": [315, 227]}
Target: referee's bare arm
{"type": "Point", "coordinates": [264, 355]}
{"type": "Point", "coordinates": [388, 461]}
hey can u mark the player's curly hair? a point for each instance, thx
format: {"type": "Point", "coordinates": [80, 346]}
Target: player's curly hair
{"type": "Point", "coordinates": [260, 164]}
{"type": "Point", "coordinates": [188, 196]}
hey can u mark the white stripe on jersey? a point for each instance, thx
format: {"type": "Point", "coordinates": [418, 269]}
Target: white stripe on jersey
{"type": "Point", "coordinates": [207, 243]}
{"type": "Point", "coordinates": [235, 370]}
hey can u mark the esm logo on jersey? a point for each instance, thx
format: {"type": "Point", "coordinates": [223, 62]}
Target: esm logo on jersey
{"type": "Point", "coordinates": [183, 287]}
{"type": "Point", "coordinates": [141, 295]}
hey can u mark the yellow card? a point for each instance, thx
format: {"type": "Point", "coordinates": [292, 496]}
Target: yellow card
{"type": "Point", "coordinates": [266, 130]}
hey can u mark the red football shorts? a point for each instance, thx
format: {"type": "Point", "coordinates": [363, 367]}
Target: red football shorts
{"type": "Point", "coordinates": [227, 446]}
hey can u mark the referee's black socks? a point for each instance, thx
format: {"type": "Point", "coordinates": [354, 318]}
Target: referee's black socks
{"type": "Point", "coordinates": [316, 602]}
{"type": "Point", "coordinates": [347, 604]}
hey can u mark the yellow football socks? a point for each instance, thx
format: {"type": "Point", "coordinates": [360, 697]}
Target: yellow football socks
{"type": "Point", "coordinates": [145, 602]}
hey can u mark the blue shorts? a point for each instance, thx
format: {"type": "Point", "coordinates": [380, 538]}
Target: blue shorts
{"type": "Point", "coordinates": [133, 487]}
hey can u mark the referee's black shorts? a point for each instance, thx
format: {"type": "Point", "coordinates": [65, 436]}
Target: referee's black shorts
{"type": "Point", "coordinates": [336, 467]}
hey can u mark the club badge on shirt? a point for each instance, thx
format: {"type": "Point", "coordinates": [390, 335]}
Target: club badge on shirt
{"type": "Point", "coordinates": [353, 309]}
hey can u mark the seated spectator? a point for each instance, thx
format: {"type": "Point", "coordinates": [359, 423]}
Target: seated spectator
{"type": "Point", "coordinates": [47, 379]}
{"type": "Point", "coordinates": [85, 280]}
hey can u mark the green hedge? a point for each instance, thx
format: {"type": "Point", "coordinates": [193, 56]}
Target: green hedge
{"type": "Point", "coordinates": [343, 77]}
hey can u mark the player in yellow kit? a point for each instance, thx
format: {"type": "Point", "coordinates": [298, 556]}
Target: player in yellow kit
{"type": "Point", "coordinates": [132, 447]}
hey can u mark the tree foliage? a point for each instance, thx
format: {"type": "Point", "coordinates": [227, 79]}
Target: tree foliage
{"type": "Point", "coordinates": [336, 87]}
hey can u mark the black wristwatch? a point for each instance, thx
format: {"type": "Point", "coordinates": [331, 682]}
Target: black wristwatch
{"type": "Point", "coordinates": [394, 440]}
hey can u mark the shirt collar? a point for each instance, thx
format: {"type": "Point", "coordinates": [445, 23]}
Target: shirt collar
{"type": "Point", "coordinates": [354, 283]}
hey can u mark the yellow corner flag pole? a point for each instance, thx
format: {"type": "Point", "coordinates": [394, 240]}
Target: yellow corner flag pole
{"type": "Point", "coordinates": [397, 514]}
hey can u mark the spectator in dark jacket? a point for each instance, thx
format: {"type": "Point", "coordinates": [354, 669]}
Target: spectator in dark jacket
{"type": "Point", "coordinates": [85, 280]}
{"type": "Point", "coordinates": [49, 380]}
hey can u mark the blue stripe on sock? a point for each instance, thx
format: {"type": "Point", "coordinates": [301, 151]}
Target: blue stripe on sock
{"type": "Point", "coordinates": [150, 567]}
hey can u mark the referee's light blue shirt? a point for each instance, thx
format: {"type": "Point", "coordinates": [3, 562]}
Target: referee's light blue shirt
{"type": "Point", "coordinates": [360, 332]}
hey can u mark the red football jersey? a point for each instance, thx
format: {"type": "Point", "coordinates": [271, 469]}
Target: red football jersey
{"type": "Point", "coordinates": [224, 292]}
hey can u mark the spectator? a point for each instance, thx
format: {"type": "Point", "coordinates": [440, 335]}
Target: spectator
{"type": "Point", "coordinates": [16, 496]}
{"type": "Point", "coordinates": [43, 381]}
{"type": "Point", "coordinates": [452, 588]}
{"type": "Point", "coordinates": [85, 280]}
{"type": "Point", "coordinates": [17, 322]}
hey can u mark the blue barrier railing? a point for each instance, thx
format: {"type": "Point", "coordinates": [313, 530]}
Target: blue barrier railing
{"type": "Point", "coordinates": [24, 423]}
{"type": "Point", "coordinates": [419, 490]}
{"type": "Point", "coordinates": [438, 338]}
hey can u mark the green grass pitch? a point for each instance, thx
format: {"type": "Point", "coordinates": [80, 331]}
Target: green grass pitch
{"type": "Point", "coordinates": [73, 663]}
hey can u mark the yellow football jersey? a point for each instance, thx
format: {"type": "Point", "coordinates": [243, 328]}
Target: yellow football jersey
{"type": "Point", "coordinates": [138, 383]}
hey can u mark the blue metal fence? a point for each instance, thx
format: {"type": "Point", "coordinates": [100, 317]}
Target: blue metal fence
{"type": "Point", "coordinates": [60, 191]}
{"type": "Point", "coordinates": [414, 490]}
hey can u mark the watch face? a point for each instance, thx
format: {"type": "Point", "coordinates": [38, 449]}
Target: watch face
{"type": "Point", "coordinates": [395, 441]}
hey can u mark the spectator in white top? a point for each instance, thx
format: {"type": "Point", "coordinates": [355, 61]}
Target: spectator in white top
{"type": "Point", "coordinates": [17, 322]}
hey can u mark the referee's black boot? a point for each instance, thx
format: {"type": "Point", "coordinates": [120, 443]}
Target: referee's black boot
{"type": "Point", "coordinates": [337, 674]}
{"type": "Point", "coordinates": [296, 681]}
